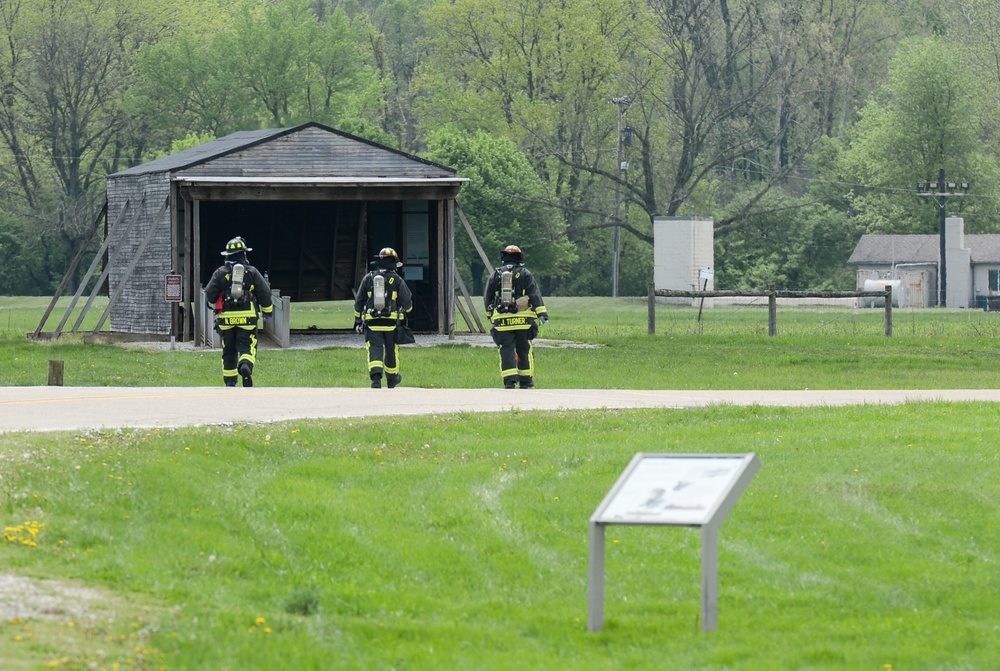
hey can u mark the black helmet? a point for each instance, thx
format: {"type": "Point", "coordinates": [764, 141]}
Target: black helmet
{"type": "Point", "coordinates": [512, 253]}
{"type": "Point", "coordinates": [388, 259]}
{"type": "Point", "coordinates": [236, 246]}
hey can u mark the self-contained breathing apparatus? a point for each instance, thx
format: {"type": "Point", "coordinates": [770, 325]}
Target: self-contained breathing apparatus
{"type": "Point", "coordinates": [506, 301]}
{"type": "Point", "coordinates": [237, 295]}
{"type": "Point", "coordinates": [380, 305]}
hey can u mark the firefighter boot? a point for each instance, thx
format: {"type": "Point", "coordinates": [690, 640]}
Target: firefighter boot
{"type": "Point", "coordinates": [246, 372]}
{"type": "Point", "coordinates": [510, 382]}
{"type": "Point", "coordinates": [377, 381]}
{"type": "Point", "coordinates": [527, 382]}
{"type": "Point", "coordinates": [393, 379]}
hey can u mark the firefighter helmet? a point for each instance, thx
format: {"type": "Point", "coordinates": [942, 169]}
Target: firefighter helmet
{"type": "Point", "coordinates": [236, 246]}
{"type": "Point", "coordinates": [512, 251]}
{"type": "Point", "coordinates": [388, 259]}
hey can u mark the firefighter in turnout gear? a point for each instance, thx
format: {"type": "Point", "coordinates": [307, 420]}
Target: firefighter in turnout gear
{"type": "Point", "coordinates": [515, 307]}
{"type": "Point", "coordinates": [382, 302]}
{"type": "Point", "coordinates": [240, 296]}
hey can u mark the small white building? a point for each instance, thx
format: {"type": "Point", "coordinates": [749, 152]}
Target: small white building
{"type": "Point", "coordinates": [972, 264]}
{"type": "Point", "coordinates": [684, 256]}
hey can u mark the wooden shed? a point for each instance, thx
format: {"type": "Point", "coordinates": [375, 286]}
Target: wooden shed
{"type": "Point", "coordinates": [315, 205]}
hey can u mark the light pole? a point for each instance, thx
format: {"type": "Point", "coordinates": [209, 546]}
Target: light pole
{"type": "Point", "coordinates": [622, 102]}
{"type": "Point", "coordinates": [941, 191]}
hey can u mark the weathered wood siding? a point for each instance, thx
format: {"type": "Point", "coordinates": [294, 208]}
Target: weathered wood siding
{"type": "Point", "coordinates": [314, 152]}
{"type": "Point", "coordinates": [141, 307]}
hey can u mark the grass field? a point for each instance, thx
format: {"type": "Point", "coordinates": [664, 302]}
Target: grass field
{"type": "Point", "coordinates": [866, 541]}
{"type": "Point", "coordinates": [817, 348]}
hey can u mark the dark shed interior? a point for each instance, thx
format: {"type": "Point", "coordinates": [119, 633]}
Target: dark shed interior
{"type": "Point", "coordinates": [318, 250]}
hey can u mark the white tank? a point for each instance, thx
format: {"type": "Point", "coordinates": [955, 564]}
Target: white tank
{"type": "Point", "coordinates": [879, 285]}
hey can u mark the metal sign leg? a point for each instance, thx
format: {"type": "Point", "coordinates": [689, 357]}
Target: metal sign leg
{"type": "Point", "coordinates": [595, 579]}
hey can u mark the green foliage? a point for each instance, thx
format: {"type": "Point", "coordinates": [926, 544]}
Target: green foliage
{"type": "Point", "coordinates": [926, 118]}
{"type": "Point", "coordinates": [504, 201]}
{"type": "Point", "coordinates": [789, 244]}
{"type": "Point", "coordinates": [277, 65]}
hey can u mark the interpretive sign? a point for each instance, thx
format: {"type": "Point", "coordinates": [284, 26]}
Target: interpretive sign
{"type": "Point", "coordinates": [173, 288]}
{"type": "Point", "coordinates": [671, 490]}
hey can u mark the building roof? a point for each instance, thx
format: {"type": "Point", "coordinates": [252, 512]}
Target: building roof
{"type": "Point", "coordinates": [303, 151]}
{"type": "Point", "coordinates": [895, 249]}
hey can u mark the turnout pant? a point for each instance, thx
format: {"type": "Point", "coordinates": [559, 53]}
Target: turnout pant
{"type": "Point", "coordinates": [238, 345]}
{"type": "Point", "coordinates": [517, 362]}
{"type": "Point", "coordinates": [383, 353]}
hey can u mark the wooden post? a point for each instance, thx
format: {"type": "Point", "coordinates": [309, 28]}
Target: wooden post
{"type": "Point", "coordinates": [651, 310]}
{"type": "Point", "coordinates": [888, 311]}
{"type": "Point", "coordinates": [702, 304]}
{"type": "Point", "coordinates": [55, 373]}
{"type": "Point", "coordinates": [772, 313]}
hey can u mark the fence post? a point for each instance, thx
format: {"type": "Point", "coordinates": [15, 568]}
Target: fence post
{"type": "Point", "coordinates": [888, 311]}
{"type": "Point", "coordinates": [651, 310]}
{"type": "Point", "coordinates": [56, 369]}
{"type": "Point", "coordinates": [772, 313]}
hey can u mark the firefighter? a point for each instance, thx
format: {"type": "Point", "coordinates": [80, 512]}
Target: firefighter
{"type": "Point", "coordinates": [515, 307]}
{"type": "Point", "coordinates": [382, 302]}
{"type": "Point", "coordinates": [240, 294]}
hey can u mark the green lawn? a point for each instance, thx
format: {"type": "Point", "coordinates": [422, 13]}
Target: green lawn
{"type": "Point", "coordinates": [865, 542]}
{"type": "Point", "coordinates": [460, 541]}
{"type": "Point", "coordinates": [817, 348]}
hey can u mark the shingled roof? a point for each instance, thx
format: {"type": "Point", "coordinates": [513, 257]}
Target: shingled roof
{"type": "Point", "coordinates": [311, 149]}
{"type": "Point", "coordinates": [893, 249]}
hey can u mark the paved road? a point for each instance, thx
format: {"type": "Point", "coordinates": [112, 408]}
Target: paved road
{"type": "Point", "coordinates": [80, 408]}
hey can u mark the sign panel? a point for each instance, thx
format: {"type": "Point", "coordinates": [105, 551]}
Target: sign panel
{"type": "Point", "coordinates": [671, 490]}
{"type": "Point", "coordinates": [695, 490]}
{"type": "Point", "coordinates": [706, 274]}
{"type": "Point", "coordinates": [173, 288]}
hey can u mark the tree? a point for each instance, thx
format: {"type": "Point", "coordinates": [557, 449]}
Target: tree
{"type": "Point", "coordinates": [725, 95]}
{"type": "Point", "coordinates": [927, 117]}
{"type": "Point", "coordinates": [64, 72]}
{"type": "Point", "coordinates": [276, 65]}
{"type": "Point", "coordinates": [497, 170]}
{"type": "Point", "coordinates": [796, 245]}
{"type": "Point", "coordinates": [541, 74]}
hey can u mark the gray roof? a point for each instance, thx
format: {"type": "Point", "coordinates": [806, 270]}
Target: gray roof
{"type": "Point", "coordinates": [309, 149]}
{"type": "Point", "coordinates": [892, 249]}
{"type": "Point", "coordinates": [203, 152]}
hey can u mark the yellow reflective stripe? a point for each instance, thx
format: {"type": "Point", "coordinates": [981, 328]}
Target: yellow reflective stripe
{"type": "Point", "coordinates": [392, 315]}
{"type": "Point", "coordinates": [249, 321]}
{"type": "Point", "coordinates": [239, 313]}
{"type": "Point", "coordinates": [511, 322]}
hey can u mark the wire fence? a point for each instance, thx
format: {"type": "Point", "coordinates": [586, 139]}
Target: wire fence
{"type": "Point", "coordinates": [805, 313]}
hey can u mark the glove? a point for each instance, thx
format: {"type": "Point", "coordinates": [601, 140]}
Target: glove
{"type": "Point", "coordinates": [267, 318]}
{"type": "Point", "coordinates": [359, 325]}
{"type": "Point", "coordinates": [544, 319]}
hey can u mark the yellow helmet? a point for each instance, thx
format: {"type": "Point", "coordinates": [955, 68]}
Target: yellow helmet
{"type": "Point", "coordinates": [513, 251]}
{"type": "Point", "coordinates": [236, 246]}
{"type": "Point", "coordinates": [388, 259]}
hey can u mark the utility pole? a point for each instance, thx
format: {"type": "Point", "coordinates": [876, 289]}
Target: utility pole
{"type": "Point", "coordinates": [941, 191]}
{"type": "Point", "coordinates": [622, 102]}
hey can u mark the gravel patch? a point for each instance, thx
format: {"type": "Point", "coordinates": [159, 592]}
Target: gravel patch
{"type": "Point", "coordinates": [353, 340]}
{"type": "Point", "coordinates": [27, 599]}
